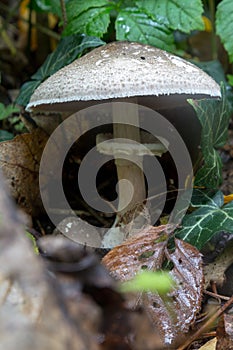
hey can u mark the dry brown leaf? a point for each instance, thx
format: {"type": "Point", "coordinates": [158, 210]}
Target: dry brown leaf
{"type": "Point", "coordinates": [174, 313]}
{"type": "Point", "coordinates": [20, 160]}
{"type": "Point", "coordinates": [215, 271]}
{"type": "Point", "coordinates": [143, 249]}
{"type": "Point", "coordinates": [210, 345]}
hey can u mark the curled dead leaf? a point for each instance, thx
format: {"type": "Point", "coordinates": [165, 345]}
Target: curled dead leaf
{"type": "Point", "coordinates": [20, 160]}
{"type": "Point", "coordinates": [172, 313]}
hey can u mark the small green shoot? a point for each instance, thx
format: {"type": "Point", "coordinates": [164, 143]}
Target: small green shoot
{"type": "Point", "coordinates": [33, 241]}
{"type": "Point", "coordinates": [157, 282]}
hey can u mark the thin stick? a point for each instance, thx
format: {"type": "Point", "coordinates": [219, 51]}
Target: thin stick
{"type": "Point", "coordinates": [206, 325]}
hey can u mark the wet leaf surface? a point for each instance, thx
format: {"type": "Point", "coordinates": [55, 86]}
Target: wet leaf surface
{"type": "Point", "coordinates": [172, 313]}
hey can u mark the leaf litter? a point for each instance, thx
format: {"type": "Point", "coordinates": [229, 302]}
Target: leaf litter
{"type": "Point", "coordinates": [173, 313]}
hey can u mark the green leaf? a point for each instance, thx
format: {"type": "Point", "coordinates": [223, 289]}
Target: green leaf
{"type": "Point", "coordinates": [214, 69]}
{"type": "Point", "coordinates": [92, 22]}
{"type": "Point", "coordinates": [26, 91]}
{"type": "Point", "coordinates": [6, 111]}
{"type": "Point", "coordinates": [75, 8]}
{"type": "Point", "coordinates": [224, 25]}
{"type": "Point", "coordinates": [88, 17]}
{"type": "Point", "coordinates": [134, 25]}
{"type": "Point", "coordinates": [67, 51]}
{"type": "Point", "coordinates": [5, 135]}
{"type": "Point", "coordinates": [230, 79]}
{"type": "Point", "coordinates": [214, 116]}
{"type": "Point", "coordinates": [176, 14]}
{"type": "Point", "coordinates": [211, 217]}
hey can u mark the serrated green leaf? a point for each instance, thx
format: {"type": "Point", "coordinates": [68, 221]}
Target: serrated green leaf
{"type": "Point", "coordinates": [224, 25]}
{"type": "Point", "coordinates": [212, 217]}
{"type": "Point", "coordinates": [88, 17]}
{"type": "Point", "coordinates": [134, 25]}
{"type": "Point", "coordinates": [93, 21]}
{"type": "Point", "coordinates": [75, 8]}
{"type": "Point", "coordinates": [214, 116]}
{"type": "Point", "coordinates": [67, 51]}
{"type": "Point", "coordinates": [176, 14]}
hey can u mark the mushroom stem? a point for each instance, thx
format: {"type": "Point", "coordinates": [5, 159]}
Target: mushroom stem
{"type": "Point", "coordinates": [127, 169]}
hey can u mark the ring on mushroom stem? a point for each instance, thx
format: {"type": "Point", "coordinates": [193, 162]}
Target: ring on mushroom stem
{"type": "Point", "coordinates": [135, 73]}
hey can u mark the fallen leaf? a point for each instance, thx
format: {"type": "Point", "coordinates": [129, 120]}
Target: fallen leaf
{"type": "Point", "coordinates": [78, 271]}
{"type": "Point", "coordinates": [215, 271]}
{"type": "Point", "coordinates": [225, 332]}
{"type": "Point", "coordinates": [210, 345]}
{"type": "Point", "coordinates": [172, 313]}
{"type": "Point", "coordinates": [20, 160]}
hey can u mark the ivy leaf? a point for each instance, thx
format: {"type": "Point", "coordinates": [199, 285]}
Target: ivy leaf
{"type": "Point", "coordinates": [91, 18]}
{"type": "Point", "coordinates": [134, 25]}
{"type": "Point", "coordinates": [175, 14]}
{"type": "Point", "coordinates": [68, 50]}
{"type": "Point", "coordinates": [224, 25]}
{"type": "Point", "coordinates": [210, 218]}
{"type": "Point", "coordinates": [214, 116]}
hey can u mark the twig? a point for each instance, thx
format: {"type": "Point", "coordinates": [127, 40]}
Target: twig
{"type": "Point", "coordinates": [206, 325]}
{"type": "Point", "coordinates": [216, 295]}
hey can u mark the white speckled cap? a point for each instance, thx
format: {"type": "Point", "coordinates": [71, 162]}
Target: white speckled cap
{"type": "Point", "coordinates": [120, 70]}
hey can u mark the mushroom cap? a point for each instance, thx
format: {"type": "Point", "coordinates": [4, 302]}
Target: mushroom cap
{"type": "Point", "coordinates": [121, 70]}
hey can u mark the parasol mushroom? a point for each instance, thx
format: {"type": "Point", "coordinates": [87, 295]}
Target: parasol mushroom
{"type": "Point", "coordinates": [136, 73]}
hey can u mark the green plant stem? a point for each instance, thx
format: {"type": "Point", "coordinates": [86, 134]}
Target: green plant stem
{"type": "Point", "coordinates": [214, 52]}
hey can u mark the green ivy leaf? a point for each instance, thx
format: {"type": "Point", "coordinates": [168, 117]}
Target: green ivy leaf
{"type": "Point", "coordinates": [211, 217]}
{"type": "Point", "coordinates": [175, 14]}
{"type": "Point", "coordinates": [88, 17]}
{"type": "Point", "coordinates": [67, 51]}
{"type": "Point", "coordinates": [134, 25]}
{"type": "Point", "coordinates": [224, 25]}
{"type": "Point", "coordinates": [214, 116]}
